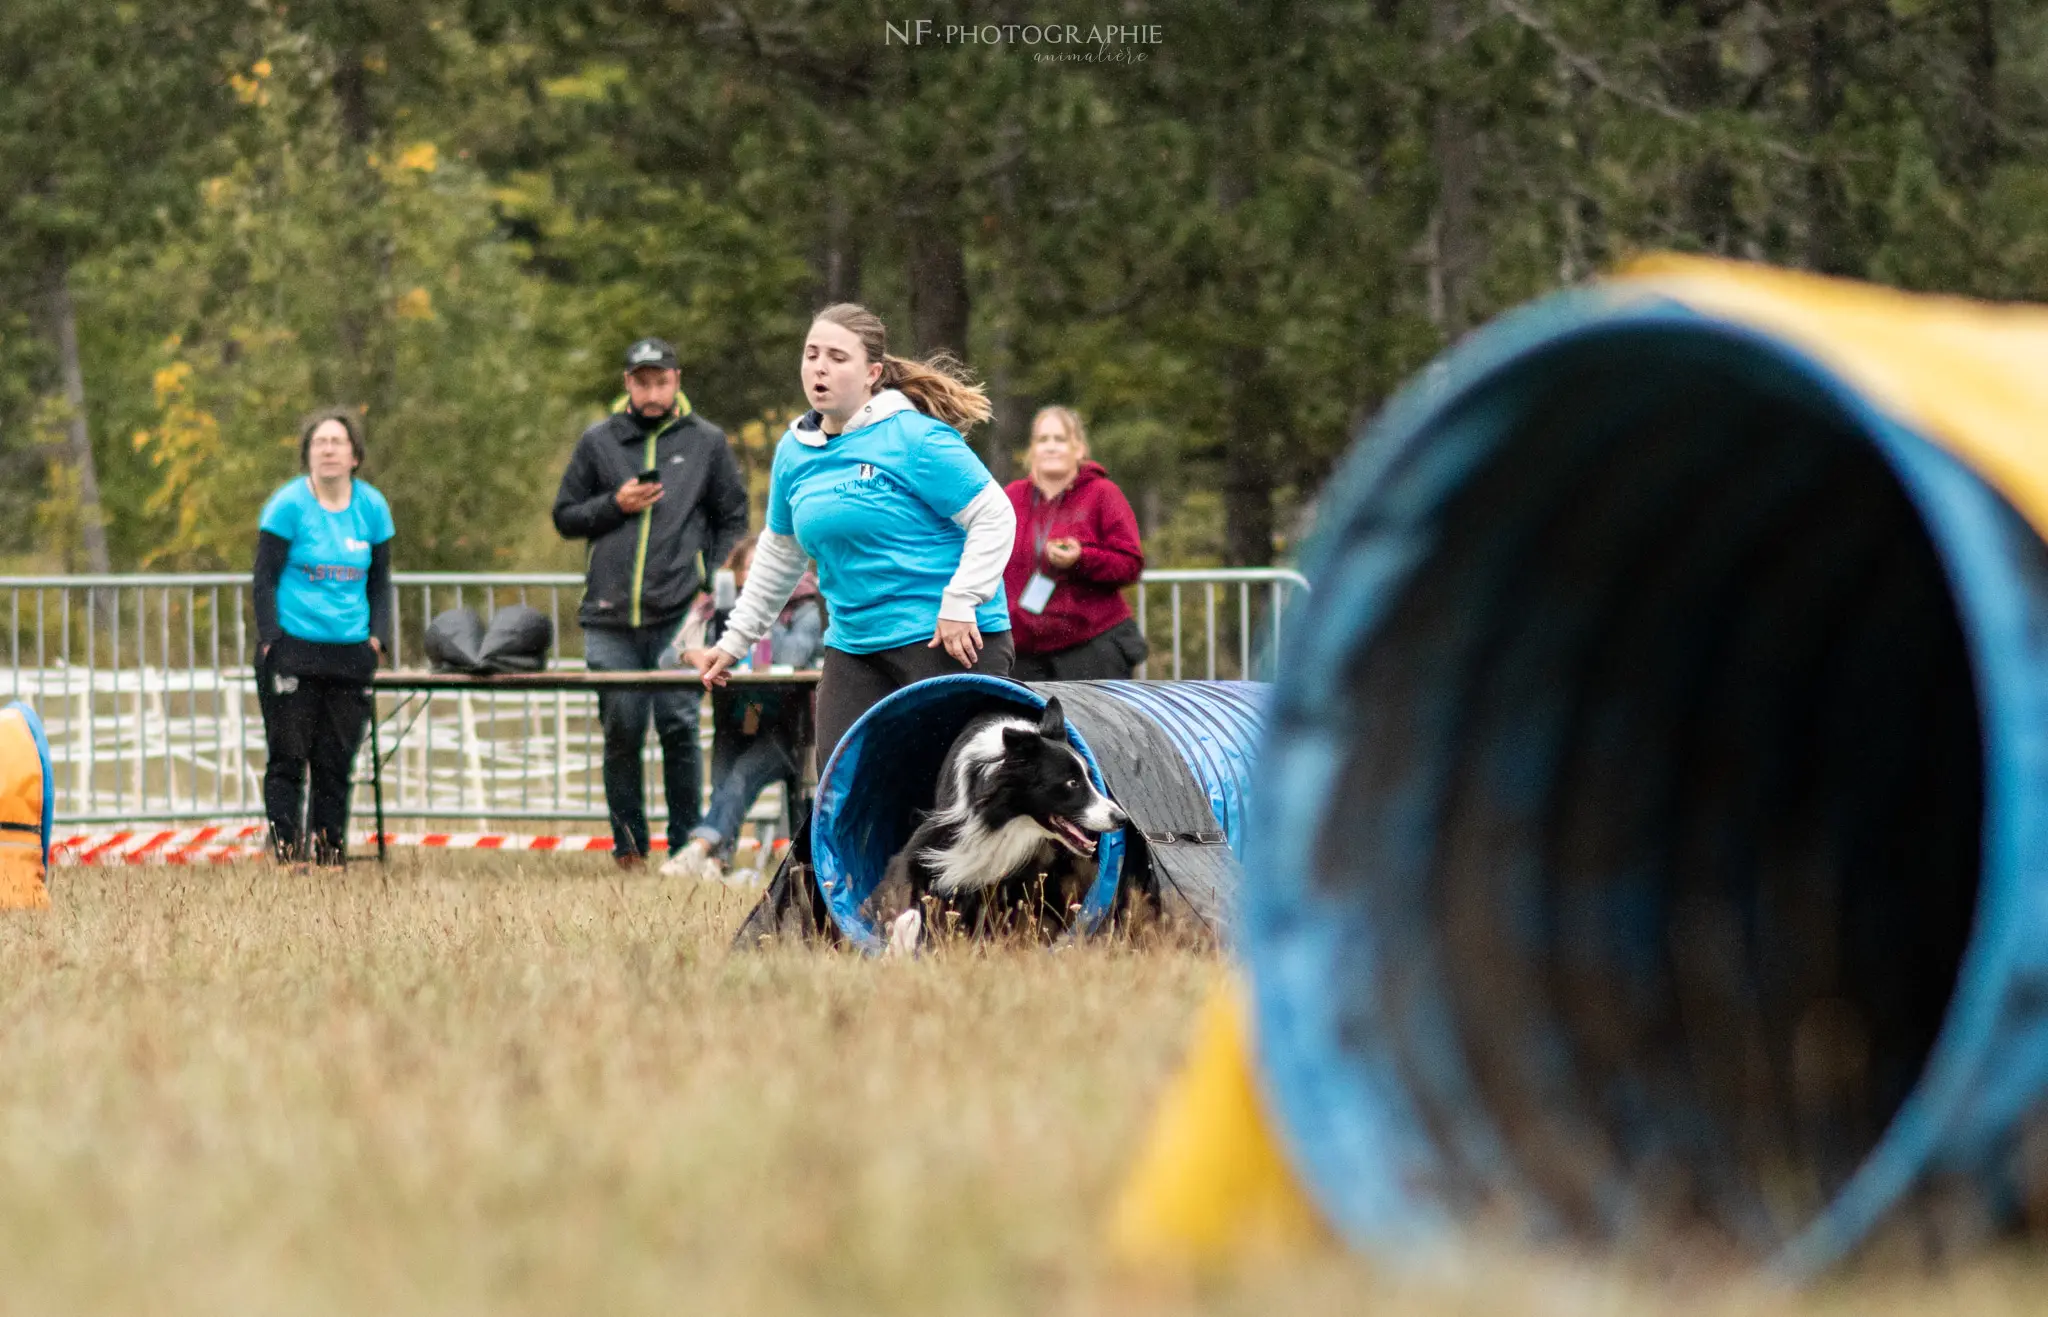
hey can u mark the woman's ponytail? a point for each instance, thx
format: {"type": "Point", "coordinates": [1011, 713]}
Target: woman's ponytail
{"type": "Point", "coordinates": [940, 387]}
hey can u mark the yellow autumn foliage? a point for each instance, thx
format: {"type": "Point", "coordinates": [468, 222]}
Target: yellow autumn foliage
{"type": "Point", "coordinates": [169, 382]}
{"type": "Point", "coordinates": [182, 444]}
{"type": "Point", "coordinates": [248, 90]}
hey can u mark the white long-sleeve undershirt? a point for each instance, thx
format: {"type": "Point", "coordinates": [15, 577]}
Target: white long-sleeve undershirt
{"type": "Point", "coordinates": [991, 525]}
{"type": "Point", "coordinates": [771, 578]}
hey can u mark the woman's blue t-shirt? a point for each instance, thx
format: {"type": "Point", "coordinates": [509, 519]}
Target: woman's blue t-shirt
{"type": "Point", "coordinates": [324, 594]}
{"type": "Point", "coordinates": [875, 508]}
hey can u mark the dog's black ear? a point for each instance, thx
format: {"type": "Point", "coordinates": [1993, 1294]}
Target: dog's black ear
{"type": "Point", "coordinates": [1052, 724]}
{"type": "Point", "coordinates": [1016, 740]}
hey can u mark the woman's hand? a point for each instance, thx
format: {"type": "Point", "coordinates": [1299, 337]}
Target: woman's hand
{"type": "Point", "coordinates": [711, 663]}
{"type": "Point", "coordinates": [1063, 553]}
{"type": "Point", "coordinates": [960, 639]}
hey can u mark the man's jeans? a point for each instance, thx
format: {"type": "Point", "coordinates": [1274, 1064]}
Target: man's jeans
{"type": "Point", "coordinates": [741, 769]}
{"type": "Point", "coordinates": [624, 714]}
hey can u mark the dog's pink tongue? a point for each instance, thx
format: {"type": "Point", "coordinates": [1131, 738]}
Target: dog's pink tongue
{"type": "Point", "coordinates": [1081, 840]}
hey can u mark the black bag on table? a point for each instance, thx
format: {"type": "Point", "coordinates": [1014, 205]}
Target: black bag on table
{"type": "Point", "coordinates": [517, 640]}
{"type": "Point", "coordinates": [455, 642]}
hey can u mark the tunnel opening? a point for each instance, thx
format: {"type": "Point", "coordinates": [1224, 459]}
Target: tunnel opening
{"type": "Point", "coordinates": [884, 777]}
{"type": "Point", "coordinates": [1662, 787]}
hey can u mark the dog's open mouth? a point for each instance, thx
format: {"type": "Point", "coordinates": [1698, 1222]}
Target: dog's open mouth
{"type": "Point", "coordinates": [1070, 835]}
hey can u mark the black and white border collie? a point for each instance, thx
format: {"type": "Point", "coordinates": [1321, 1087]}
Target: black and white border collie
{"type": "Point", "coordinates": [1012, 797]}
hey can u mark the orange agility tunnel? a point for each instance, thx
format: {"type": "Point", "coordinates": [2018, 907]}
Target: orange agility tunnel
{"type": "Point", "coordinates": [26, 809]}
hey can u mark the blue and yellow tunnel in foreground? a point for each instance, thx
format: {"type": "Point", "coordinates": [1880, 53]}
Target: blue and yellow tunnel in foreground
{"type": "Point", "coordinates": [1650, 843]}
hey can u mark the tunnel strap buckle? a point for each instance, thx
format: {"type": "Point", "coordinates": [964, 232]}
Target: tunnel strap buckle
{"type": "Point", "coordinates": [1205, 837]}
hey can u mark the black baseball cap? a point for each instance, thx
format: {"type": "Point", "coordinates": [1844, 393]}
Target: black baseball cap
{"type": "Point", "coordinates": [653, 352]}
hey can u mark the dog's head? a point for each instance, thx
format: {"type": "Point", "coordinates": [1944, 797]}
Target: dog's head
{"type": "Point", "coordinates": [1044, 777]}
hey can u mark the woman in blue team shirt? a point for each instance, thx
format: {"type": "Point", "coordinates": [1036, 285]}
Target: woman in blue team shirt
{"type": "Point", "coordinates": [909, 531]}
{"type": "Point", "coordinates": [323, 618]}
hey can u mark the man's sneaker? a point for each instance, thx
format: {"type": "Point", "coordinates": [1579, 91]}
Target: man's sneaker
{"type": "Point", "coordinates": [694, 860]}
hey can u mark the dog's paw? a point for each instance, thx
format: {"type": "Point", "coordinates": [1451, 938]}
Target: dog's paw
{"type": "Point", "coordinates": [905, 932]}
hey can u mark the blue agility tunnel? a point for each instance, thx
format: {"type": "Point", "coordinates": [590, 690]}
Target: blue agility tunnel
{"type": "Point", "coordinates": [1652, 837]}
{"type": "Point", "coordinates": [885, 771]}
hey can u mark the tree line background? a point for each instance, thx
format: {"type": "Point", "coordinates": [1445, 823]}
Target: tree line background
{"type": "Point", "coordinates": [217, 214]}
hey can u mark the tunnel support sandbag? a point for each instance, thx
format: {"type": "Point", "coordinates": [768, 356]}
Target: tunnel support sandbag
{"type": "Point", "coordinates": [1652, 840]}
{"type": "Point", "coordinates": [791, 909]}
{"type": "Point", "coordinates": [1210, 1187]}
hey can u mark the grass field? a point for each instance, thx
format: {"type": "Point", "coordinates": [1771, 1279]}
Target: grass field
{"type": "Point", "coordinates": [527, 1086]}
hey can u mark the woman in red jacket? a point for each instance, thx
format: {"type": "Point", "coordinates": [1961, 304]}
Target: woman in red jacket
{"type": "Point", "coordinates": [1077, 547]}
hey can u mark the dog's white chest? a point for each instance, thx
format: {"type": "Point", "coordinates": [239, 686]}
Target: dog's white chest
{"type": "Point", "coordinates": [984, 857]}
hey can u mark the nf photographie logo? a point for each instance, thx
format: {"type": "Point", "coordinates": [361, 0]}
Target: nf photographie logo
{"type": "Point", "coordinates": [1067, 36]}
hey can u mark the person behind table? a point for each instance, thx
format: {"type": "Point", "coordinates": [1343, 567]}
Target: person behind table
{"type": "Point", "coordinates": [908, 529]}
{"type": "Point", "coordinates": [323, 619]}
{"type": "Point", "coordinates": [1077, 547]}
{"type": "Point", "coordinates": [756, 737]}
{"type": "Point", "coordinates": [641, 574]}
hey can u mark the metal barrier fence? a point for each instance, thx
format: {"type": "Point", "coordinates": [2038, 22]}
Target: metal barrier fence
{"type": "Point", "coordinates": [144, 685]}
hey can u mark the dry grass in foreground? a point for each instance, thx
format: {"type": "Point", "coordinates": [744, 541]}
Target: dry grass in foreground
{"type": "Point", "coordinates": [510, 1085]}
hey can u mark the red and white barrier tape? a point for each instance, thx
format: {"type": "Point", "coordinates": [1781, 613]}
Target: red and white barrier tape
{"type": "Point", "coordinates": [223, 843]}
{"type": "Point", "coordinates": [208, 845]}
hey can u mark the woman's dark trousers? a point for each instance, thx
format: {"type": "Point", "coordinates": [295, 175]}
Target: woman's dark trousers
{"type": "Point", "coordinates": [313, 726]}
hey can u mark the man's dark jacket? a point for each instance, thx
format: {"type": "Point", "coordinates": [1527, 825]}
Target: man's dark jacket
{"type": "Point", "coordinates": [643, 569]}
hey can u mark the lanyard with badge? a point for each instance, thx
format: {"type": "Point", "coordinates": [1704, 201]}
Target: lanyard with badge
{"type": "Point", "coordinates": [1037, 591]}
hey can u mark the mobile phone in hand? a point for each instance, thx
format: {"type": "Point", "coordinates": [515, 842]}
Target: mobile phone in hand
{"type": "Point", "coordinates": [651, 476]}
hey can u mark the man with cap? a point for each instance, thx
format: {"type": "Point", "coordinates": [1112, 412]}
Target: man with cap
{"type": "Point", "coordinates": [655, 489]}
